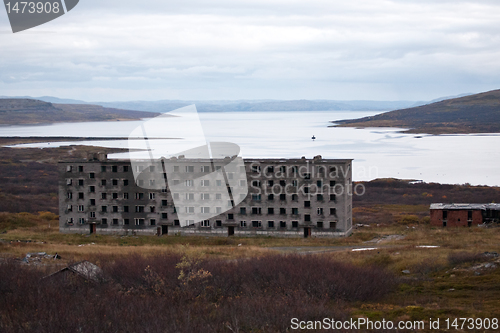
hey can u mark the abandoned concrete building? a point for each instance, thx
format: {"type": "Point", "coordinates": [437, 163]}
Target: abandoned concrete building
{"type": "Point", "coordinates": [272, 197]}
{"type": "Point", "coordinates": [454, 215]}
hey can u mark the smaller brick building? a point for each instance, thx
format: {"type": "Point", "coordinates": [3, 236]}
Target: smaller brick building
{"type": "Point", "coordinates": [454, 215]}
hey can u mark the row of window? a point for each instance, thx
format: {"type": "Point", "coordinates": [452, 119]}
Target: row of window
{"type": "Point", "coordinates": [204, 223]}
{"type": "Point", "coordinates": [191, 210]}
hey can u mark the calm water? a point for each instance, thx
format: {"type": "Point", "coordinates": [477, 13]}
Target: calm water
{"type": "Point", "coordinates": [377, 152]}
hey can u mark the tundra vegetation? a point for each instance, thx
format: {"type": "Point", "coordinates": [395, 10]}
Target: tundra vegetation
{"type": "Point", "coordinates": [198, 284]}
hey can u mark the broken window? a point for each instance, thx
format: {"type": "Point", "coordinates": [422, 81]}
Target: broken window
{"type": "Point", "coordinates": [218, 223]}
{"type": "Point", "coordinates": [243, 210]}
{"type": "Point", "coordinates": [91, 175]}
{"type": "Point", "coordinates": [307, 204]}
{"type": "Point", "coordinates": [256, 224]}
{"type": "Point", "coordinates": [469, 215]}
{"type": "Point", "coordinates": [319, 225]}
{"type": "Point", "coordinates": [151, 195]}
{"type": "Point", "coordinates": [139, 209]}
{"type": "Point", "coordinates": [164, 216]}
{"type": "Point", "coordinates": [283, 211]}
{"type": "Point", "coordinates": [80, 182]}
{"type": "Point", "coordinates": [115, 195]}
{"type": "Point", "coordinates": [243, 223]}
{"type": "Point", "coordinates": [139, 196]}
{"type": "Point", "coordinates": [256, 210]}
{"type": "Point", "coordinates": [69, 181]}
{"type": "Point", "coordinates": [114, 168]}
{"type": "Point", "coordinates": [125, 209]}
{"type": "Point", "coordinates": [270, 183]}
{"type": "Point", "coordinates": [103, 168]}
{"type": "Point", "coordinates": [333, 211]}
{"type": "Point", "coordinates": [332, 197]}
{"type": "Point", "coordinates": [126, 221]}
{"type": "Point", "coordinates": [92, 202]}
{"type": "Point", "coordinates": [164, 202]}
{"type": "Point", "coordinates": [104, 221]}
{"type": "Point", "coordinates": [104, 209]}
{"type": "Point", "coordinates": [177, 222]}
{"type": "Point", "coordinates": [115, 221]}
{"type": "Point", "coordinates": [270, 224]}
{"type": "Point", "coordinates": [319, 197]}
{"type": "Point", "coordinates": [103, 182]}
{"type": "Point", "coordinates": [230, 216]}
{"type": "Point", "coordinates": [295, 224]}
{"type": "Point", "coordinates": [125, 182]}
{"type": "Point", "coordinates": [80, 195]}
{"type": "Point", "coordinates": [91, 189]}
{"type": "Point", "coordinates": [125, 168]}
{"type": "Point", "coordinates": [270, 211]}
{"type": "Point", "coordinates": [270, 197]}
{"type": "Point", "coordinates": [282, 224]}
{"type": "Point", "coordinates": [283, 197]}
{"type": "Point", "coordinates": [333, 225]}
{"type": "Point", "coordinates": [152, 221]}
{"type": "Point", "coordinates": [295, 211]}
{"type": "Point", "coordinates": [307, 217]}
{"type": "Point", "coordinates": [282, 182]}
{"type": "Point", "coordinates": [205, 223]}
{"type": "Point", "coordinates": [115, 209]}
{"type": "Point", "coordinates": [445, 214]}
{"type": "Point", "coordinates": [139, 221]}
{"type": "Point", "coordinates": [320, 211]}
{"type": "Point", "coordinates": [103, 196]}
{"type": "Point", "coordinates": [69, 195]}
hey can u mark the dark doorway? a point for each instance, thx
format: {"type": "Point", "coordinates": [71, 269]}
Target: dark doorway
{"type": "Point", "coordinates": [307, 232]}
{"type": "Point", "coordinates": [164, 229]}
{"type": "Point", "coordinates": [158, 231]}
{"type": "Point", "coordinates": [469, 223]}
{"type": "Point", "coordinates": [444, 223]}
{"type": "Point", "coordinates": [230, 231]}
{"type": "Point", "coordinates": [92, 228]}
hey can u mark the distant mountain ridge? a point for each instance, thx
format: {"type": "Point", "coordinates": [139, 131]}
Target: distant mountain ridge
{"type": "Point", "coordinates": [478, 113]}
{"type": "Point", "coordinates": [30, 111]}
{"type": "Point", "coordinates": [243, 105]}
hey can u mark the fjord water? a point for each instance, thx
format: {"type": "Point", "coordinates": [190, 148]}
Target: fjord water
{"type": "Point", "coordinates": [377, 152]}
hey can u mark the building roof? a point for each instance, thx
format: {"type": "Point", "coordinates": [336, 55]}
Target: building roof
{"type": "Point", "coordinates": [467, 206]}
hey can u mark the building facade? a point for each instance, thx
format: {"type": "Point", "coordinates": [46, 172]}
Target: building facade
{"type": "Point", "coordinates": [455, 215]}
{"type": "Point", "coordinates": [285, 197]}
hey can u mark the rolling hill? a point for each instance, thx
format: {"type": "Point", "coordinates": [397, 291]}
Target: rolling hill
{"type": "Point", "coordinates": [479, 113]}
{"type": "Point", "coordinates": [30, 111]}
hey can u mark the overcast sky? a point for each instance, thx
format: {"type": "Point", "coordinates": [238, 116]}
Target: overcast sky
{"type": "Point", "coordinates": [110, 50]}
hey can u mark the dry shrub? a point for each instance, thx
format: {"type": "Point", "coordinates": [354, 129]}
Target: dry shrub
{"type": "Point", "coordinates": [458, 258]}
{"type": "Point", "coordinates": [408, 219]}
{"type": "Point", "coordinates": [145, 294]}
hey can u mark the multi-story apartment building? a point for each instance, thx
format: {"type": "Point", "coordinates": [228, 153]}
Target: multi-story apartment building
{"type": "Point", "coordinates": [280, 197]}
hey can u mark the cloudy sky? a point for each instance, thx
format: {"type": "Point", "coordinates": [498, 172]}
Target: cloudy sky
{"type": "Point", "coordinates": [110, 50]}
